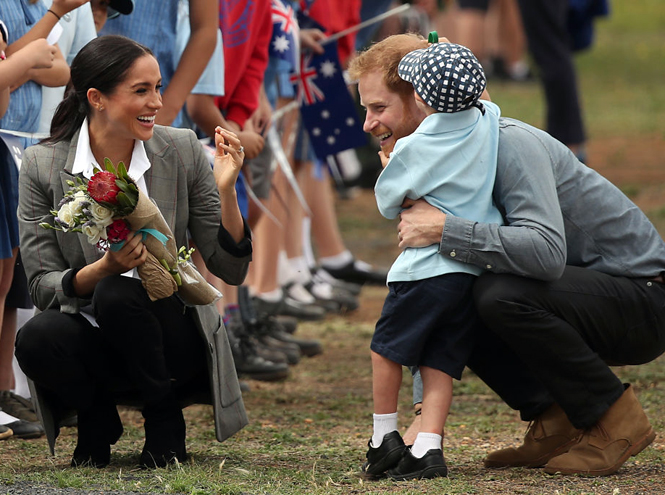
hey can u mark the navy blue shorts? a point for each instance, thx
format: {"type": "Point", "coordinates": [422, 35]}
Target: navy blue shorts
{"type": "Point", "coordinates": [428, 322]}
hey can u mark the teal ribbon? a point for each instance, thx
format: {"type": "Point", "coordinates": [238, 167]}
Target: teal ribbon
{"type": "Point", "coordinates": [144, 233]}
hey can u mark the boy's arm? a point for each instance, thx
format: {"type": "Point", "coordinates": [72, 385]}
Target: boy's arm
{"type": "Point", "coordinates": [37, 55]}
{"type": "Point", "coordinates": [203, 20]}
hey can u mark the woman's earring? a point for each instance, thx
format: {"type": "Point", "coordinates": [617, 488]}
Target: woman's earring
{"type": "Point", "coordinates": [100, 108]}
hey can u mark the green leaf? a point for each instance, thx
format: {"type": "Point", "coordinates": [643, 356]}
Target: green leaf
{"type": "Point", "coordinates": [108, 164]}
{"type": "Point", "coordinates": [122, 171]}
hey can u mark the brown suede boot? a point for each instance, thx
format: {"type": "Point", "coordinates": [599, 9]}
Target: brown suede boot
{"type": "Point", "coordinates": [549, 435]}
{"type": "Point", "coordinates": [623, 430]}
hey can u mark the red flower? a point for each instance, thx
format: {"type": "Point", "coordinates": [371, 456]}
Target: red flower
{"type": "Point", "coordinates": [117, 231]}
{"type": "Point", "coordinates": [102, 187]}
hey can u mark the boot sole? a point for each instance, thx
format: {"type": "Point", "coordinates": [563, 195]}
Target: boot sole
{"type": "Point", "coordinates": [636, 449]}
{"type": "Point", "coordinates": [537, 463]}
{"type": "Point", "coordinates": [427, 473]}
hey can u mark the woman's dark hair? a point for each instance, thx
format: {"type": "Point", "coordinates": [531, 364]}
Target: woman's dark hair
{"type": "Point", "coordinates": [101, 64]}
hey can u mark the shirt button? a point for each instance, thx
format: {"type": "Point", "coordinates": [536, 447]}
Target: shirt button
{"type": "Point", "coordinates": [453, 254]}
{"type": "Point", "coordinates": [649, 284]}
{"type": "Point", "coordinates": [489, 267]}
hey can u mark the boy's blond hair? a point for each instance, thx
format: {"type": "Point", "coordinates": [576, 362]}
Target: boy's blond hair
{"type": "Point", "coordinates": [384, 57]}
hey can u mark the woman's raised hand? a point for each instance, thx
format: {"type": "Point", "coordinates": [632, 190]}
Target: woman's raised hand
{"type": "Point", "coordinates": [229, 156]}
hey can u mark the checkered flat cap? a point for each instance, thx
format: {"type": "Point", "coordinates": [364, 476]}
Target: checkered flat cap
{"type": "Point", "coordinates": [448, 77]}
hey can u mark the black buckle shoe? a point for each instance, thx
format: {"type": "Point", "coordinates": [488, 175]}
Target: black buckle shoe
{"type": "Point", "coordinates": [383, 457]}
{"type": "Point", "coordinates": [431, 465]}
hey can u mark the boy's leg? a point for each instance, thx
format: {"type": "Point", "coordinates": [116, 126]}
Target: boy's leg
{"type": "Point", "coordinates": [425, 458]}
{"type": "Point", "coordinates": [386, 447]}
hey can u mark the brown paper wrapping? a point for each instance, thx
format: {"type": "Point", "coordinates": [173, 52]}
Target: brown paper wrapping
{"type": "Point", "coordinates": [156, 279]}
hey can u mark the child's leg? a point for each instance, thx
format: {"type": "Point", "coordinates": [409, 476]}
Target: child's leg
{"type": "Point", "coordinates": [437, 397]}
{"type": "Point", "coordinates": [386, 382]}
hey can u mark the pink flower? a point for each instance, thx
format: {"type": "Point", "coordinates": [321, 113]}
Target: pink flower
{"type": "Point", "coordinates": [102, 187]}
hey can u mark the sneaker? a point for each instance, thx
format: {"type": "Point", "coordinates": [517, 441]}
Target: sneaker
{"type": "Point", "coordinates": [250, 365]}
{"type": "Point", "coordinates": [431, 465]}
{"type": "Point", "coordinates": [385, 456]}
{"type": "Point", "coordinates": [18, 406]}
{"type": "Point", "coordinates": [359, 272]}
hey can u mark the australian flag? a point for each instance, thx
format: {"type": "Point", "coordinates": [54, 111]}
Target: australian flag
{"type": "Point", "coordinates": [328, 112]}
{"type": "Point", "coordinates": [285, 42]}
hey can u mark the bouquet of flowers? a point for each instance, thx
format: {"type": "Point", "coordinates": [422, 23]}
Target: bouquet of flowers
{"type": "Point", "coordinates": [107, 208]}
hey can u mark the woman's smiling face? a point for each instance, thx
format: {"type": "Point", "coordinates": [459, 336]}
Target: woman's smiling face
{"type": "Point", "coordinates": [129, 112]}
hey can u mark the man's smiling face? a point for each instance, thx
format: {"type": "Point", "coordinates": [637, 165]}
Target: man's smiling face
{"type": "Point", "coordinates": [390, 116]}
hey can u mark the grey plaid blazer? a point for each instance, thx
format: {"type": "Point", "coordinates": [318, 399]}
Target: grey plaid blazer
{"type": "Point", "coordinates": [181, 184]}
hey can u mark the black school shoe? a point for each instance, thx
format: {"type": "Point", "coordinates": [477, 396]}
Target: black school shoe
{"type": "Point", "coordinates": [431, 465]}
{"type": "Point", "coordinates": [383, 457]}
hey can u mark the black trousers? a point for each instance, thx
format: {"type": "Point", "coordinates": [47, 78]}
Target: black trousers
{"type": "Point", "coordinates": [141, 352]}
{"type": "Point", "coordinates": [549, 42]}
{"type": "Point", "coordinates": [554, 341]}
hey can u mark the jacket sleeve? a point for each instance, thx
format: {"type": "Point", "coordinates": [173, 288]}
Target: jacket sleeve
{"type": "Point", "coordinates": [44, 250]}
{"type": "Point", "coordinates": [532, 243]}
{"type": "Point", "coordinates": [223, 257]}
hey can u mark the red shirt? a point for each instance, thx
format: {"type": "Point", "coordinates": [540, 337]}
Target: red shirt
{"type": "Point", "coordinates": [246, 32]}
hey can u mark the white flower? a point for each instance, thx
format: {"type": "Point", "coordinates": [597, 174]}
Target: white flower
{"type": "Point", "coordinates": [65, 215]}
{"type": "Point", "coordinates": [94, 232]}
{"type": "Point", "coordinates": [76, 205]}
{"type": "Point", "coordinates": [102, 215]}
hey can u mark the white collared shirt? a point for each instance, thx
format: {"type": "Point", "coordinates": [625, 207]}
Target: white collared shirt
{"type": "Point", "coordinates": [85, 162]}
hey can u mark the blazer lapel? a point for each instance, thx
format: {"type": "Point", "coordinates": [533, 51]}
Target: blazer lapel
{"type": "Point", "coordinates": [90, 251]}
{"type": "Point", "coordinates": [162, 178]}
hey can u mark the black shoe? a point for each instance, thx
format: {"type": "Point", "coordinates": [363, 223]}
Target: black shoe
{"type": "Point", "coordinates": [267, 325]}
{"type": "Point", "coordinates": [5, 432]}
{"type": "Point", "coordinates": [431, 465]}
{"type": "Point", "coordinates": [249, 364]}
{"type": "Point", "coordinates": [17, 406]}
{"type": "Point", "coordinates": [99, 427]}
{"type": "Point", "coordinates": [321, 275]}
{"type": "Point", "coordinates": [287, 306]}
{"type": "Point", "coordinates": [331, 298]}
{"type": "Point", "coordinates": [383, 457]}
{"type": "Point", "coordinates": [359, 272]}
{"type": "Point", "coordinates": [165, 432]}
{"type": "Point", "coordinates": [26, 429]}
{"type": "Point", "coordinates": [289, 323]}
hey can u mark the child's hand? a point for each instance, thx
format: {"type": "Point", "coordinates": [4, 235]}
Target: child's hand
{"type": "Point", "coordinates": [229, 155]}
{"type": "Point", "coordinates": [311, 38]}
{"type": "Point", "coordinates": [384, 158]}
{"type": "Point", "coordinates": [40, 54]}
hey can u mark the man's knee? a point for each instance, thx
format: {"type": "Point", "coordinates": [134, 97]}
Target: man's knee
{"type": "Point", "coordinates": [497, 298]}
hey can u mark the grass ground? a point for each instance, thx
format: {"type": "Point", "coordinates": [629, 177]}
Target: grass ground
{"type": "Point", "coordinates": [309, 433]}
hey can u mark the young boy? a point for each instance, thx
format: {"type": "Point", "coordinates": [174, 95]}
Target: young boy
{"type": "Point", "coordinates": [450, 161]}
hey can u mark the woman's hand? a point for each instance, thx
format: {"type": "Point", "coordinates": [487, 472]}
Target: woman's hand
{"type": "Point", "coordinates": [132, 254]}
{"type": "Point", "coordinates": [229, 155]}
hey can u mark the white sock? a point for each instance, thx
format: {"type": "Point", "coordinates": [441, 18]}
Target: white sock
{"type": "Point", "coordinates": [425, 442]}
{"type": "Point", "coordinates": [338, 261]}
{"type": "Point", "coordinates": [284, 272]}
{"type": "Point", "coordinates": [300, 270]}
{"type": "Point", "coordinates": [383, 424]}
{"type": "Point", "coordinates": [272, 296]}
